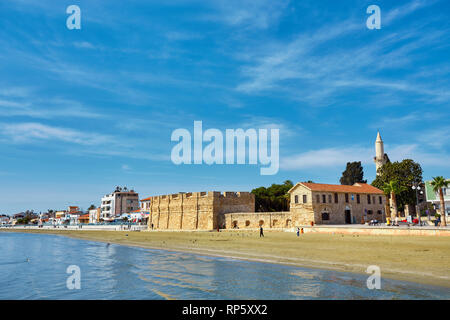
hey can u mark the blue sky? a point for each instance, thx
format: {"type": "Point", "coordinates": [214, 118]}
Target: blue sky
{"type": "Point", "coordinates": [82, 111]}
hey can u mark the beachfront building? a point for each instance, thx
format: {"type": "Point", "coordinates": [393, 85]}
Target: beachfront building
{"type": "Point", "coordinates": [434, 198]}
{"type": "Point", "coordinates": [60, 217]}
{"type": "Point", "coordinates": [72, 215]}
{"type": "Point", "coordinates": [94, 215]}
{"type": "Point", "coordinates": [336, 204]}
{"type": "Point", "coordinates": [120, 201]}
{"type": "Point", "coordinates": [145, 204]}
{"type": "Point", "coordinates": [317, 203]}
{"type": "Point", "coordinates": [73, 209]}
{"type": "Point", "coordinates": [83, 218]}
{"type": "Point", "coordinates": [4, 219]}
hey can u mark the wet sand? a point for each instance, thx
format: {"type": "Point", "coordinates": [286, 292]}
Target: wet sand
{"type": "Point", "coordinates": [420, 259]}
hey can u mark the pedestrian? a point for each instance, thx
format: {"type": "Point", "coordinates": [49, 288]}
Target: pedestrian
{"type": "Point", "coordinates": [302, 231]}
{"type": "Point", "coordinates": [152, 226]}
{"type": "Point", "coordinates": [298, 232]}
{"type": "Point", "coordinates": [261, 232]}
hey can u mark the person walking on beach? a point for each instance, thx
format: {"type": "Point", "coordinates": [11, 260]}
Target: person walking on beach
{"type": "Point", "coordinates": [261, 232]}
{"type": "Point", "coordinates": [298, 232]}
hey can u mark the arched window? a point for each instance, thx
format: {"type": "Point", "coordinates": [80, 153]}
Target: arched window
{"type": "Point", "coordinates": [288, 223]}
{"type": "Point", "coordinates": [261, 223]}
{"type": "Point", "coordinates": [247, 223]}
{"type": "Point", "coordinates": [274, 222]}
{"type": "Point", "coordinates": [235, 224]}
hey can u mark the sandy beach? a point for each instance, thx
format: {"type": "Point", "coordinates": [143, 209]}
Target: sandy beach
{"type": "Point", "coordinates": [417, 259]}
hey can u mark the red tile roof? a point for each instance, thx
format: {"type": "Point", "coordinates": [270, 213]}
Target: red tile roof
{"type": "Point", "coordinates": [356, 188]}
{"type": "Point", "coordinates": [147, 199]}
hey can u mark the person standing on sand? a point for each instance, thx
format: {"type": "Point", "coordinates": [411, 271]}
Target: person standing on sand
{"type": "Point", "coordinates": [261, 232]}
{"type": "Point", "coordinates": [298, 232]}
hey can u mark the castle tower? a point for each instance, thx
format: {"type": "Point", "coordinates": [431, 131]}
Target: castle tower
{"type": "Point", "coordinates": [380, 157]}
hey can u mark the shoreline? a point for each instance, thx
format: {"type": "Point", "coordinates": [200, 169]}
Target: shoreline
{"type": "Point", "coordinates": [165, 241]}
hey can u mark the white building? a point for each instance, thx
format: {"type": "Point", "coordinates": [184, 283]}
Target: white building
{"type": "Point", "coordinates": [120, 201]}
{"type": "Point", "coordinates": [4, 219]}
{"type": "Point", "coordinates": [94, 215]}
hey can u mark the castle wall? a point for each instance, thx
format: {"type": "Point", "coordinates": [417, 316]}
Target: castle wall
{"type": "Point", "coordinates": [196, 210]}
{"type": "Point", "coordinates": [267, 220]}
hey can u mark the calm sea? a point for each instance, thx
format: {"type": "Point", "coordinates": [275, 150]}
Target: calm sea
{"type": "Point", "coordinates": [34, 266]}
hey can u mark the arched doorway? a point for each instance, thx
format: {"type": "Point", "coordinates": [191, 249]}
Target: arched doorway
{"type": "Point", "coordinates": [235, 224]}
{"type": "Point", "coordinates": [261, 223]}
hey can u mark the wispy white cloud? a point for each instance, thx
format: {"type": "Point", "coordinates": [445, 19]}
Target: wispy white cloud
{"type": "Point", "coordinates": [77, 142]}
{"type": "Point", "coordinates": [29, 132]}
{"type": "Point", "coordinates": [325, 158]}
{"type": "Point", "coordinates": [248, 14]}
{"type": "Point", "coordinates": [405, 10]}
{"type": "Point", "coordinates": [337, 157]}
{"type": "Point", "coordinates": [304, 71]}
{"type": "Point", "coordinates": [29, 103]}
{"type": "Point", "coordinates": [406, 120]}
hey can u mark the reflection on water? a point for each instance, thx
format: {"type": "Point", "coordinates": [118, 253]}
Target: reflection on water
{"type": "Point", "coordinates": [34, 267]}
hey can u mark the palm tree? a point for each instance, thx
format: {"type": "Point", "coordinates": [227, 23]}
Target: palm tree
{"type": "Point", "coordinates": [387, 207]}
{"type": "Point", "coordinates": [393, 188]}
{"type": "Point", "coordinates": [438, 184]}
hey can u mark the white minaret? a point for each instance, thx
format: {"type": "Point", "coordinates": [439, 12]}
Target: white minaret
{"type": "Point", "coordinates": [379, 158]}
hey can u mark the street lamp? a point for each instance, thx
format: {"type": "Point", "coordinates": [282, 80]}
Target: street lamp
{"type": "Point", "coordinates": [416, 187]}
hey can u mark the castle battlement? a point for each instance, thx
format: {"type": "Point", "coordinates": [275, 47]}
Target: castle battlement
{"type": "Point", "coordinates": [201, 194]}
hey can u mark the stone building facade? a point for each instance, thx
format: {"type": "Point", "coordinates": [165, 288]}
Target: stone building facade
{"type": "Point", "coordinates": [336, 204]}
{"type": "Point", "coordinates": [319, 204]}
{"type": "Point", "coordinates": [258, 219]}
{"type": "Point", "coordinates": [195, 210]}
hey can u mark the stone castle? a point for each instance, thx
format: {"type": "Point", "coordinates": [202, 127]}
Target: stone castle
{"type": "Point", "coordinates": [310, 203]}
{"type": "Point", "coordinates": [317, 203]}
{"type": "Point", "coordinates": [196, 210]}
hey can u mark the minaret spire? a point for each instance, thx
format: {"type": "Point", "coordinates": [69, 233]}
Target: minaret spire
{"type": "Point", "coordinates": [379, 136]}
{"type": "Point", "coordinates": [379, 158]}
